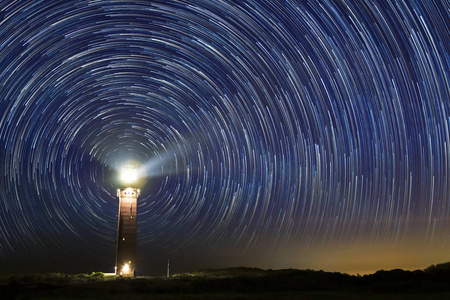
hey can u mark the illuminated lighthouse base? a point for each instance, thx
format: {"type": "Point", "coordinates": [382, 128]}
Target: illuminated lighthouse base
{"type": "Point", "coordinates": [126, 232]}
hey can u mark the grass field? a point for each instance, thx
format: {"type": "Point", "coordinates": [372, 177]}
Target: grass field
{"type": "Point", "coordinates": [234, 283]}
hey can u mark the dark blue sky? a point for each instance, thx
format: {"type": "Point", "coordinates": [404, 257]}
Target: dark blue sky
{"type": "Point", "coordinates": [274, 134]}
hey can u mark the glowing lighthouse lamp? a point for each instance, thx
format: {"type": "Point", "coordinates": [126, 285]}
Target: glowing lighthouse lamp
{"type": "Point", "coordinates": [128, 175]}
{"type": "Point", "coordinates": [126, 223]}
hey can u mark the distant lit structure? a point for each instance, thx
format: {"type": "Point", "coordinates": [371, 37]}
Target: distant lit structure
{"type": "Point", "coordinates": [168, 268]}
{"type": "Point", "coordinates": [126, 224]}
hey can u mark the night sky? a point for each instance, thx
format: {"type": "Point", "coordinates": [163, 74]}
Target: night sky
{"type": "Point", "coordinates": [272, 134]}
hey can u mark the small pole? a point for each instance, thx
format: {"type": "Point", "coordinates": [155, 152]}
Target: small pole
{"type": "Point", "coordinates": [168, 268]}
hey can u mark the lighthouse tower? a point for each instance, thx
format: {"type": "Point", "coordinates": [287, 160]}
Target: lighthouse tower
{"type": "Point", "coordinates": [127, 225]}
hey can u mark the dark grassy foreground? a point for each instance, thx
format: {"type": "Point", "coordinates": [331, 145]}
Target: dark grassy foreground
{"type": "Point", "coordinates": [235, 283]}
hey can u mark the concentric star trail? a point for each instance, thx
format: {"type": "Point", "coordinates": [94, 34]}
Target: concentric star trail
{"type": "Point", "coordinates": [267, 130]}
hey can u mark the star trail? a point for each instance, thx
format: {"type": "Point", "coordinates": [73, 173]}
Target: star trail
{"type": "Point", "coordinates": [303, 134]}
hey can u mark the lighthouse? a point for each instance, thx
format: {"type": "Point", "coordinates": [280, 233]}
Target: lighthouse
{"type": "Point", "coordinates": [127, 223]}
